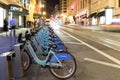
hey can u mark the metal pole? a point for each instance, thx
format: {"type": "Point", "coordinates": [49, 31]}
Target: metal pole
{"type": "Point", "coordinates": [17, 62]}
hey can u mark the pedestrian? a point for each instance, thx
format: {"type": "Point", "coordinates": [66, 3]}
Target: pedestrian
{"type": "Point", "coordinates": [39, 22]}
{"type": "Point", "coordinates": [12, 27]}
{"type": "Point", "coordinates": [35, 23]}
{"type": "Point", "coordinates": [28, 23]}
{"type": "Point", "coordinates": [5, 26]}
{"type": "Point", "coordinates": [43, 22]}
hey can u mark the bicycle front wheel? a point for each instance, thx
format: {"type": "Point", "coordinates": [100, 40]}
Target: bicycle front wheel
{"type": "Point", "coordinates": [66, 71]}
{"type": "Point", "coordinates": [26, 60]}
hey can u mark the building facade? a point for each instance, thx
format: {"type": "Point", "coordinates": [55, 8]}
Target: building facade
{"type": "Point", "coordinates": [82, 12]}
{"type": "Point", "coordinates": [71, 11]}
{"type": "Point", "coordinates": [63, 9]}
{"type": "Point", "coordinates": [21, 10]}
{"type": "Point", "coordinates": [102, 12]}
{"type": "Point", "coordinates": [16, 9]}
{"type": "Point", "coordinates": [93, 12]}
{"type": "Point", "coordinates": [31, 8]}
{"type": "Point", "coordinates": [77, 11]}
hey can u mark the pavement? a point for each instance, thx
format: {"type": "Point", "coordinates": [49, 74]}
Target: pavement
{"type": "Point", "coordinates": [7, 42]}
{"type": "Point", "coordinates": [107, 27]}
{"type": "Point", "coordinates": [86, 26]}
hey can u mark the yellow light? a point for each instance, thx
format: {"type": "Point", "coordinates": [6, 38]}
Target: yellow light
{"type": "Point", "coordinates": [44, 13]}
{"type": "Point", "coordinates": [41, 5]}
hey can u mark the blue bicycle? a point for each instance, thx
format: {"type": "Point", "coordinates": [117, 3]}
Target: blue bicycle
{"type": "Point", "coordinates": [61, 64]}
{"type": "Point", "coordinates": [40, 40]}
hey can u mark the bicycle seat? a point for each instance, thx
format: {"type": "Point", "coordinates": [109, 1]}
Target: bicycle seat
{"type": "Point", "coordinates": [20, 39]}
{"type": "Point", "coordinates": [27, 35]}
{"type": "Point", "coordinates": [57, 48]}
{"type": "Point", "coordinates": [52, 45]}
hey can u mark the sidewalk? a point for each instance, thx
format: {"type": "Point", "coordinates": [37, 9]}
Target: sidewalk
{"type": "Point", "coordinates": [85, 27]}
{"type": "Point", "coordinates": [109, 27]}
{"type": "Point", "coordinates": [6, 42]}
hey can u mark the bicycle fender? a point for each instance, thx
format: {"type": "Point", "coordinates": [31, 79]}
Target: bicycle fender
{"type": "Point", "coordinates": [61, 56]}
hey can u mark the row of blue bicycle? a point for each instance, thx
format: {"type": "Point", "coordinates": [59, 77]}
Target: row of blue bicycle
{"type": "Point", "coordinates": [47, 49]}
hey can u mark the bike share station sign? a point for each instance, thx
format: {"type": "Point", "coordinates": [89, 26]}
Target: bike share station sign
{"type": "Point", "coordinates": [17, 12]}
{"type": "Point", "coordinates": [16, 9]}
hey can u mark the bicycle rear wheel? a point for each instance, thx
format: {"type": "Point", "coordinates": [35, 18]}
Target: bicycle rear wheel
{"type": "Point", "coordinates": [66, 71]}
{"type": "Point", "coordinates": [26, 60]}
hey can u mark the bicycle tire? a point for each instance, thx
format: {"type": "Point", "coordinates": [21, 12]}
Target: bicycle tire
{"type": "Point", "coordinates": [67, 71]}
{"type": "Point", "coordinates": [26, 60]}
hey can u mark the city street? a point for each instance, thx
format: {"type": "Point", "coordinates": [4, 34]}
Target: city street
{"type": "Point", "coordinates": [90, 30]}
{"type": "Point", "coordinates": [96, 52]}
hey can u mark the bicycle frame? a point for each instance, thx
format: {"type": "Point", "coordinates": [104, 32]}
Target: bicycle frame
{"type": "Point", "coordinates": [38, 42]}
{"type": "Point", "coordinates": [45, 62]}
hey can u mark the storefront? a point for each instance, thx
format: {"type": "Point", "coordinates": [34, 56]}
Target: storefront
{"type": "Point", "coordinates": [82, 17]}
{"type": "Point", "coordinates": [19, 13]}
{"type": "Point", "coordinates": [10, 8]}
{"type": "Point", "coordinates": [70, 20]}
{"type": "Point", "coordinates": [101, 17]}
{"type": "Point", "coordinates": [92, 18]}
{"type": "Point", "coordinates": [97, 18]}
{"type": "Point", "coordinates": [3, 14]}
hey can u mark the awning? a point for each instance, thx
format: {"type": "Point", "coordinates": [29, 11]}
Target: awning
{"type": "Point", "coordinates": [20, 13]}
{"type": "Point", "coordinates": [92, 15]}
{"type": "Point", "coordinates": [17, 9]}
{"type": "Point", "coordinates": [102, 13]}
{"type": "Point", "coordinates": [36, 15]}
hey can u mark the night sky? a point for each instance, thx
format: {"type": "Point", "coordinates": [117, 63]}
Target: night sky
{"type": "Point", "coordinates": [50, 5]}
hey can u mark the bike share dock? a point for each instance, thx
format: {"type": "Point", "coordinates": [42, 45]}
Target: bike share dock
{"type": "Point", "coordinates": [14, 67]}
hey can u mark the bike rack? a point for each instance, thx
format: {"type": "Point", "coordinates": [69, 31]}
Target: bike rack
{"type": "Point", "coordinates": [6, 66]}
{"type": "Point", "coordinates": [17, 62]}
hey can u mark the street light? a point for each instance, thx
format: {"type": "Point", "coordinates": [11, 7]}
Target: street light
{"type": "Point", "coordinates": [44, 13]}
{"type": "Point", "coordinates": [42, 5]}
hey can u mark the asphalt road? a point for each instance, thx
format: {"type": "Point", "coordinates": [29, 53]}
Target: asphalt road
{"type": "Point", "coordinates": [94, 53]}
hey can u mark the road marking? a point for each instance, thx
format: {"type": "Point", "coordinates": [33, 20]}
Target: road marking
{"type": "Point", "coordinates": [72, 43]}
{"type": "Point", "coordinates": [112, 42]}
{"type": "Point", "coordinates": [101, 62]}
{"type": "Point", "coordinates": [117, 49]}
{"type": "Point", "coordinates": [95, 49]}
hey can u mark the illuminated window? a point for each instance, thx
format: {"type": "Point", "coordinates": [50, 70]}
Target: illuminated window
{"type": "Point", "coordinates": [65, 5]}
{"type": "Point", "coordinates": [64, 11]}
{"type": "Point", "coordinates": [65, 8]}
